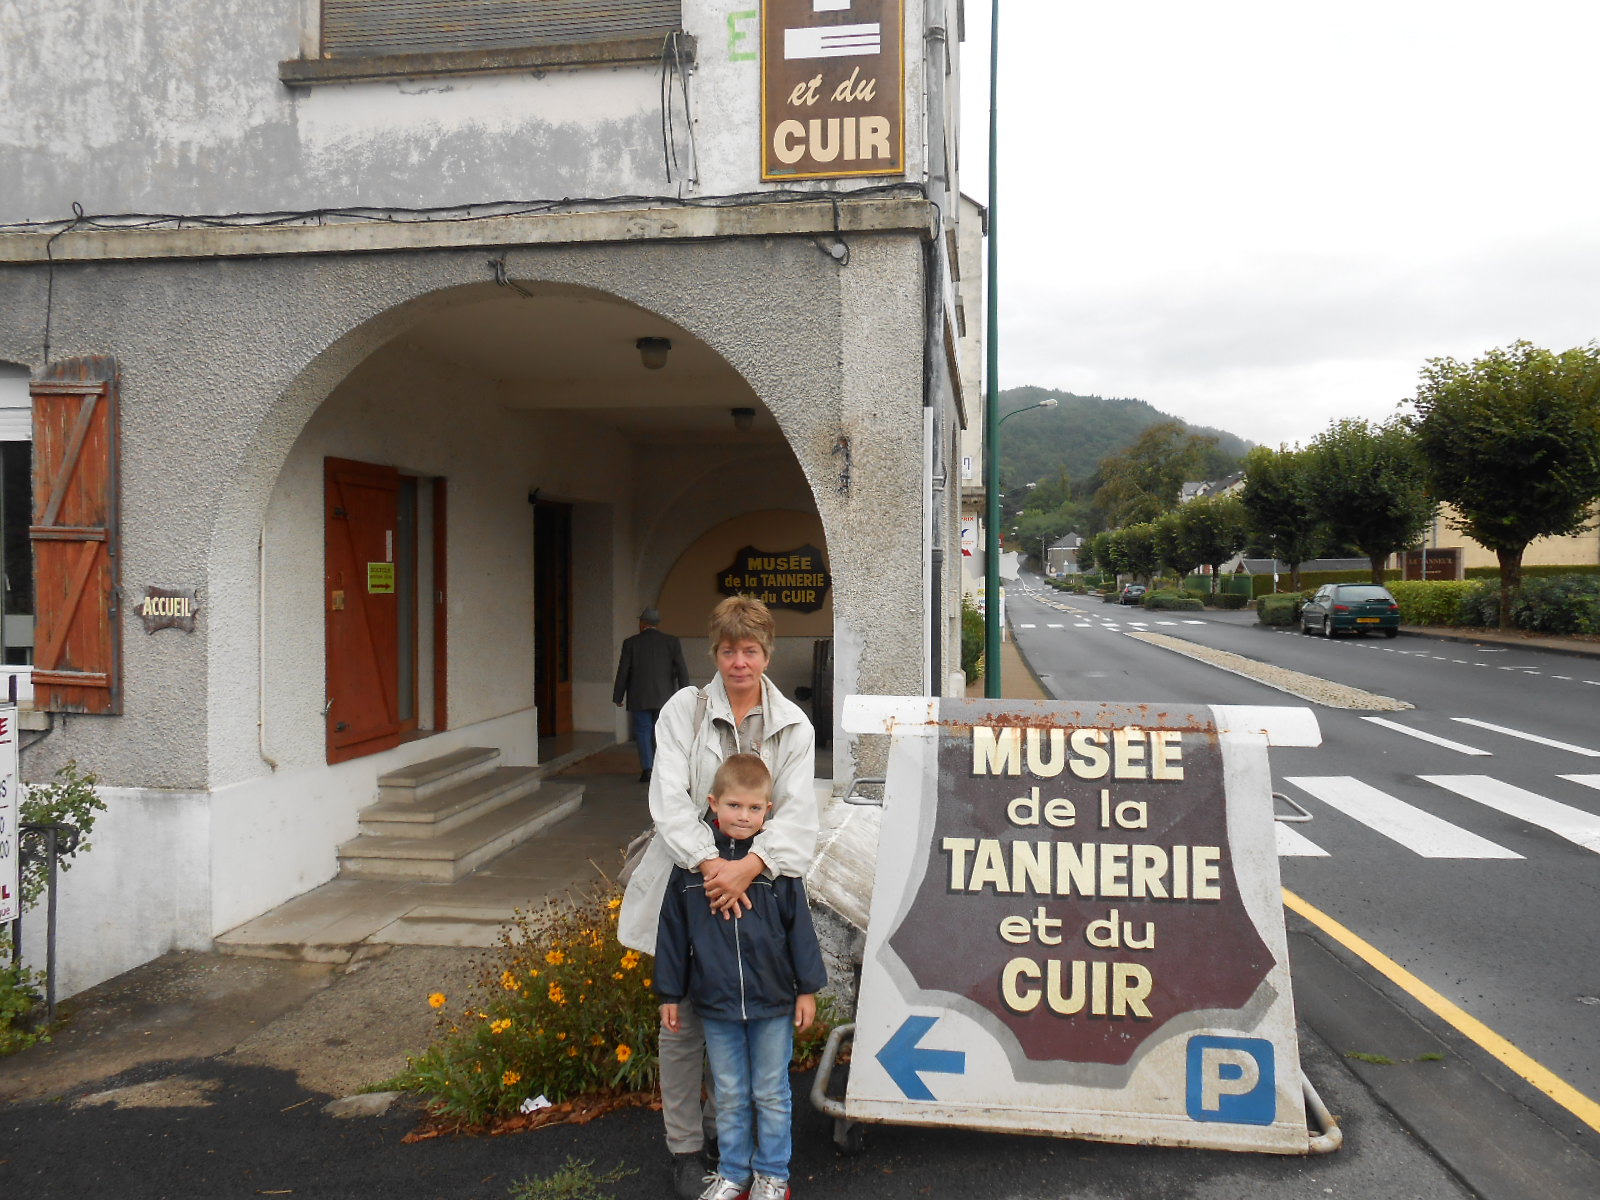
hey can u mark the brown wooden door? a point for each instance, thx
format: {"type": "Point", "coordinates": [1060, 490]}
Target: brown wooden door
{"type": "Point", "coordinates": [552, 584]}
{"type": "Point", "coordinates": [78, 655]}
{"type": "Point", "coordinates": [363, 639]}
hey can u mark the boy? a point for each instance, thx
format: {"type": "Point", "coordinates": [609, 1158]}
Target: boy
{"type": "Point", "coordinates": [753, 979]}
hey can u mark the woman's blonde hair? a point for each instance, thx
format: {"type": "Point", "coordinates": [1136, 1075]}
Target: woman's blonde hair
{"type": "Point", "coordinates": [738, 618]}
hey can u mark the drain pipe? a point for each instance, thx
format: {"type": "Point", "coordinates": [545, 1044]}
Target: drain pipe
{"type": "Point", "coordinates": [261, 649]}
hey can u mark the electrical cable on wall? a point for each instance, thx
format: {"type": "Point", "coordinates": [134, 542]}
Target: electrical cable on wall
{"type": "Point", "coordinates": [458, 213]}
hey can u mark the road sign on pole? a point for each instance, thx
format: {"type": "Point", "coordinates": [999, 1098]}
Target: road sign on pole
{"type": "Point", "coordinates": [1077, 925]}
{"type": "Point", "coordinates": [10, 815]}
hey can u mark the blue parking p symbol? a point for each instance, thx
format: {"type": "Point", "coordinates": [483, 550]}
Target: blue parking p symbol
{"type": "Point", "coordinates": [1231, 1079]}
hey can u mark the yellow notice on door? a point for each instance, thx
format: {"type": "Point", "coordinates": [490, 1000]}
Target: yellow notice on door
{"type": "Point", "coordinates": [380, 578]}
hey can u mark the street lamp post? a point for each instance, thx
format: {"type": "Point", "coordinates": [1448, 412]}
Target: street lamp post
{"type": "Point", "coordinates": [991, 538]}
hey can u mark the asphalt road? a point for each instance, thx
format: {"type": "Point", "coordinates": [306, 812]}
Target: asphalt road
{"type": "Point", "coordinates": [1472, 860]}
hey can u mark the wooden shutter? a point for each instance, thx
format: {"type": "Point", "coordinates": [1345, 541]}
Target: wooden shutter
{"type": "Point", "coordinates": [354, 28]}
{"type": "Point", "coordinates": [78, 647]}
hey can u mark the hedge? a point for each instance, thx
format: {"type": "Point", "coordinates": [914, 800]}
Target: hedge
{"type": "Point", "coordinates": [1169, 601]}
{"type": "Point", "coordinates": [1280, 609]}
{"type": "Point", "coordinates": [1544, 571]}
{"type": "Point", "coordinates": [1561, 604]}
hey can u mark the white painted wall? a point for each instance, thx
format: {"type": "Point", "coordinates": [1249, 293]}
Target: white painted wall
{"type": "Point", "coordinates": [185, 113]}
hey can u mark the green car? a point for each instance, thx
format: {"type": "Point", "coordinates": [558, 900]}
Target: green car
{"type": "Point", "coordinates": [1351, 608]}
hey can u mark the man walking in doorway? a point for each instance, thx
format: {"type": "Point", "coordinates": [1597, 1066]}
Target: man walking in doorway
{"type": "Point", "coordinates": [650, 671]}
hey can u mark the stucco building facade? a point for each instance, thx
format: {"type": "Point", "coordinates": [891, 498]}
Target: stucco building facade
{"type": "Point", "coordinates": [374, 321]}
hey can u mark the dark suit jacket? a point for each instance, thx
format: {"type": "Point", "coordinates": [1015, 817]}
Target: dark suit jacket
{"type": "Point", "coordinates": [650, 671]}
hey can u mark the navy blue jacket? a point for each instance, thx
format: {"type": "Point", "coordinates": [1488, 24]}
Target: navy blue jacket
{"type": "Point", "coordinates": [747, 969]}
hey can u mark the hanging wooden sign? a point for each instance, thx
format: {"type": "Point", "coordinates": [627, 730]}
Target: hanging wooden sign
{"type": "Point", "coordinates": [168, 608]}
{"type": "Point", "coordinates": [796, 579]}
{"type": "Point", "coordinates": [832, 88]}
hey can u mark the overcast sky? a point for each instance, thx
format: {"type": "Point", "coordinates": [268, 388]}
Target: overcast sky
{"type": "Point", "coordinates": [1267, 216]}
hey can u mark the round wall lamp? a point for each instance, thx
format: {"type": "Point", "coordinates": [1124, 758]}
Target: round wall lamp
{"type": "Point", "coordinates": [653, 352]}
{"type": "Point", "coordinates": [744, 419]}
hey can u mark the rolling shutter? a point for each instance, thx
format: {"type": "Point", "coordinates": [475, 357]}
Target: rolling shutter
{"type": "Point", "coordinates": [356, 28]}
{"type": "Point", "coordinates": [78, 647]}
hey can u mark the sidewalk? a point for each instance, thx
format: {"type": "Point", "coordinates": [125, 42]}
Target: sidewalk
{"type": "Point", "coordinates": [209, 1076]}
{"type": "Point", "coordinates": [1544, 642]}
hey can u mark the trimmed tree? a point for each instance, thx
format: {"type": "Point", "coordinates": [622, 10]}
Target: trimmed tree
{"type": "Point", "coordinates": [1137, 544]}
{"type": "Point", "coordinates": [1365, 482]}
{"type": "Point", "coordinates": [1215, 528]}
{"type": "Point", "coordinates": [1511, 441]}
{"type": "Point", "coordinates": [1278, 507]}
{"type": "Point", "coordinates": [1174, 546]}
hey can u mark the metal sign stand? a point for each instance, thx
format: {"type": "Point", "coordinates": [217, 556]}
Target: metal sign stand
{"type": "Point", "coordinates": [1077, 929]}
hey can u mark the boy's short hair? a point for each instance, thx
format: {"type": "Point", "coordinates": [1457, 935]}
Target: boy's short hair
{"type": "Point", "coordinates": [745, 772]}
{"type": "Point", "coordinates": [741, 617]}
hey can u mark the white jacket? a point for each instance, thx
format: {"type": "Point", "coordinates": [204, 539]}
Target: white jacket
{"type": "Point", "coordinates": [680, 782]}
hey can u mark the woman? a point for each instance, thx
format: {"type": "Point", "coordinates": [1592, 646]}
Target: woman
{"type": "Point", "coordinates": [740, 711]}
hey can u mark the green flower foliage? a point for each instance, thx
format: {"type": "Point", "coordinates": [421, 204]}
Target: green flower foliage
{"type": "Point", "coordinates": [563, 1009]}
{"type": "Point", "coordinates": [70, 799]}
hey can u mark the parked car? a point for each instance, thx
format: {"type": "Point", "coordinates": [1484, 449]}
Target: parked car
{"type": "Point", "coordinates": [1132, 593]}
{"type": "Point", "coordinates": [1351, 607]}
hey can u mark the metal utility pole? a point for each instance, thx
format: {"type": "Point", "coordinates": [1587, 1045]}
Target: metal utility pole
{"type": "Point", "coordinates": [991, 405]}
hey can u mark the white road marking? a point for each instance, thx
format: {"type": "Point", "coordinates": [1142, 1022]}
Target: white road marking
{"type": "Point", "coordinates": [1294, 844]}
{"type": "Point", "coordinates": [1418, 831]}
{"type": "Point", "coordinates": [1592, 781]}
{"type": "Point", "coordinates": [1528, 737]}
{"type": "Point", "coordinates": [1574, 824]}
{"type": "Point", "coordinates": [1055, 626]}
{"type": "Point", "coordinates": [1192, 621]}
{"type": "Point", "coordinates": [1083, 625]}
{"type": "Point", "coordinates": [1166, 622]}
{"type": "Point", "coordinates": [1025, 626]}
{"type": "Point", "coordinates": [1458, 747]}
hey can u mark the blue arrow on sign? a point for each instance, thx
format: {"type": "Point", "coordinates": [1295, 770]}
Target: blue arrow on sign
{"type": "Point", "coordinates": [905, 1060]}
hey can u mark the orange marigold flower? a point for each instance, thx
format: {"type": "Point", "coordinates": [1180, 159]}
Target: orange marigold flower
{"type": "Point", "coordinates": [510, 1079]}
{"type": "Point", "coordinates": [555, 958]}
{"type": "Point", "coordinates": [617, 975]}
{"type": "Point", "coordinates": [500, 1026]}
{"type": "Point", "coordinates": [624, 1053]}
{"type": "Point", "coordinates": [557, 996]}
{"type": "Point", "coordinates": [614, 903]}
{"type": "Point", "coordinates": [436, 1000]}
{"type": "Point", "coordinates": [596, 1040]}
{"type": "Point", "coordinates": [508, 981]}
{"type": "Point", "coordinates": [561, 1037]}
{"type": "Point", "coordinates": [630, 960]}
{"type": "Point", "coordinates": [572, 1052]}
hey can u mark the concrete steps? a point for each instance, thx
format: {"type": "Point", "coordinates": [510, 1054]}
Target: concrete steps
{"type": "Point", "coordinates": [442, 818]}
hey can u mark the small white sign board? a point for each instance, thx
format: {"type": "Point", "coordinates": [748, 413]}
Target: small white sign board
{"type": "Point", "coordinates": [1077, 925]}
{"type": "Point", "coordinates": [10, 815]}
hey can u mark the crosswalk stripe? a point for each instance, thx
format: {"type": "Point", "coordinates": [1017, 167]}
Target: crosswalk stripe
{"type": "Point", "coordinates": [1592, 781]}
{"type": "Point", "coordinates": [1027, 626]}
{"type": "Point", "coordinates": [1574, 824]}
{"type": "Point", "coordinates": [1418, 831]}
{"type": "Point", "coordinates": [1192, 621]}
{"type": "Point", "coordinates": [1528, 737]}
{"type": "Point", "coordinates": [1294, 844]}
{"type": "Point", "coordinates": [1458, 747]}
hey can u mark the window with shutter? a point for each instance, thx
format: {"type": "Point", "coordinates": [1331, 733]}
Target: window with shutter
{"type": "Point", "coordinates": [369, 27]}
{"type": "Point", "coordinates": [78, 644]}
{"type": "Point", "coordinates": [377, 39]}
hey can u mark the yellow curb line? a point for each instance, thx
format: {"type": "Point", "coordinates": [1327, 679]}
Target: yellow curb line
{"type": "Point", "coordinates": [1536, 1073]}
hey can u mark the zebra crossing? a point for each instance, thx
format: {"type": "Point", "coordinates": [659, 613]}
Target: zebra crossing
{"type": "Point", "coordinates": [1429, 836]}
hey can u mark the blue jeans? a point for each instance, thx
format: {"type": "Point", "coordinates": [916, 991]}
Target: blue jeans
{"type": "Point", "coordinates": [644, 732]}
{"type": "Point", "coordinates": [750, 1072]}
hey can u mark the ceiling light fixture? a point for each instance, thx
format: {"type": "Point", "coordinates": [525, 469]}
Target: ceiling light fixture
{"type": "Point", "coordinates": [744, 419]}
{"type": "Point", "coordinates": [653, 352]}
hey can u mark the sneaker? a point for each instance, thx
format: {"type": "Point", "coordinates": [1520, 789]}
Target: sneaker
{"type": "Point", "coordinates": [768, 1188]}
{"type": "Point", "coordinates": [725, 1189]}
{"type": "Point", "coordinates": [689, 1176]}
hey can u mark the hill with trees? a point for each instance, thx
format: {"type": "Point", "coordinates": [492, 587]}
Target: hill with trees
{"type": "Point", "coordinates": [1091, 463]}
{"type": "Point", "coordinates": [1082, 430]}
